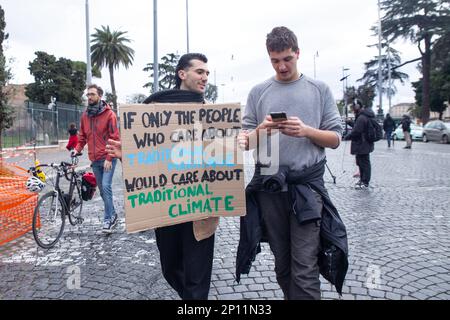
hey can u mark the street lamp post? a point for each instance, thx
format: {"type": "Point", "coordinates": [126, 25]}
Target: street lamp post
{"type": "Point", "coordinates": [187, 25]}
{"type": "Point", "coordinates": [223, 94]}
{"type": "Point", "coordinates": [344, 87]}
{"type": "Point", "coordinates": [155, 47]}
{"type": "Point", "coordinates": [380, 89]}
{"type": "Point", "coordinates": [88, 49]}
{"type": "Point", "coordinates": [389, 76]}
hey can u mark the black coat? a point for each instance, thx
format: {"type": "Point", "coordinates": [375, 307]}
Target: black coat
{"type": "Point", "coordinates": [333, 256]}
{"type": "Point", "coordinates": [175, 96]}
{"type": "Point", "coordinates": [406, 124]}
{"type": "Point", "coordinates": [388, 124]}
{"type": "Point", "coordinates": [358, 135]}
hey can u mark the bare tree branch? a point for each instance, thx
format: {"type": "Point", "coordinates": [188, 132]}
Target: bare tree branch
{"type": "Point", "coordinates": [407, 62]}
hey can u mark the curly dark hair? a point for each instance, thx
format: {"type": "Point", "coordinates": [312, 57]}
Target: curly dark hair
{"type": "Point", "coordinates": [280, 39]}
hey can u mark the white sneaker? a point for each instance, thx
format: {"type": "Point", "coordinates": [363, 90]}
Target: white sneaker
{"type": "Point", "coordinates": [107, 227]}
{"type": "Point", "coordinates": [364, 187]}
{"type": "Point", "coordinates": [114, 221]}
{"type": "Point", "coordinates": [361, 186]}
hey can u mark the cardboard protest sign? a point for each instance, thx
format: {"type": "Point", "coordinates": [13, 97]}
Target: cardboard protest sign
{"type": "Point", "coordinates": [180, 163]}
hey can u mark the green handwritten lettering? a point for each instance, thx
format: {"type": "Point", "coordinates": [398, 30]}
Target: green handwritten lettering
{"type": "Point", "coordinates": [207, 190]}
{"type": "Point", "coordinates": [133, 200]}
{"type": "Point", "coordinates": [171, 214]}
{"type": "Point", "coordinates": [207, 207]}
{"type": "Point", "coordinates": [228, 206]}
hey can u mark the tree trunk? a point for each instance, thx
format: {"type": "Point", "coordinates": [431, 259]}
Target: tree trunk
{"type": "Point", "coordinates": [1, 145]}
{"type": "Point", "coordinates": [113, 87]}
{"type": "Point", "coordinates": [426, 66]}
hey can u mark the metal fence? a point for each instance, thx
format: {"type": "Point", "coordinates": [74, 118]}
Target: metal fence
{"type": "Point", "coordinates": [38, 124]}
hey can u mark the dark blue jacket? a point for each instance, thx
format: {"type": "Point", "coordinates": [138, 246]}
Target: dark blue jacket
{"type": "Point", "coordinates": [333, 257]}
{"type": "Point", "coordinates": [388, 124]}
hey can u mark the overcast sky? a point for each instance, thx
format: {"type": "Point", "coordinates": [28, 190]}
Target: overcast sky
{"type": "Point", "coordinates": [231, 33]}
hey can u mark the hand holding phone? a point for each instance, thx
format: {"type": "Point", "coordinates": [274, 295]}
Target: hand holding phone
{"type": "Point", "coordinates": [278, 116]}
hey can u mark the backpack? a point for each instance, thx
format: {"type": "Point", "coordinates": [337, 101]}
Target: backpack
{"type": "Point", "coordinates": [88, 186]}
{"type": "Point", "coordinates": [406, 125]}
{"type": "Point", "coordinates": [374, 131]}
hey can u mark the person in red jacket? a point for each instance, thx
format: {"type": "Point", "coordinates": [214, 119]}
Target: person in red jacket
{"type": "Point", "coordinates": [73, 137]}
{"type": "Point", "coordinates": [98, 124]}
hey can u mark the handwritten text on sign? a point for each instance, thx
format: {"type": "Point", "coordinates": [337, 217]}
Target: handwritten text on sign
{"type": "Point", "coordinates": [180, 163]}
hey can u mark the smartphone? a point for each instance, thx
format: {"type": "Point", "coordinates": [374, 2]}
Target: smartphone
{"type": "Point", "coordinates": [278, 116]}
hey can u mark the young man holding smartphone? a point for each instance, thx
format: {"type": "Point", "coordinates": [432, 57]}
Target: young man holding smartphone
{"type": "Point", "coordinates": [313, 124]}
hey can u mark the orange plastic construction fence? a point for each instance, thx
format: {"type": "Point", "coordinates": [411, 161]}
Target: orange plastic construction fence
{"type": "Point", "coordinates": [16, 203]}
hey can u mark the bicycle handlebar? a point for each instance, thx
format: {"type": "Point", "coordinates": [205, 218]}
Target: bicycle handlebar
{"type": "Point", "coordinates": [76, 155]}
{"type": "Point", "coordinates": [62, 165]}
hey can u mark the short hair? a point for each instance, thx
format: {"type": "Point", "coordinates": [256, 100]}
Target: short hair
{"type": "Point", "coordinates": [185, 62]}
{"type": "Point", "coordinates": [98, 88]}
{"type": "Point", "coordinates": [280, 39]}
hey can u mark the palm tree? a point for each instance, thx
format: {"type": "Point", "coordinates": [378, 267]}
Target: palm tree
{"type": "Point", "coordinates": [109, 50]}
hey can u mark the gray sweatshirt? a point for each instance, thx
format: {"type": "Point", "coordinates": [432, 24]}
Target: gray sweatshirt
{"type": "Point", "coordinates": [308, 99]}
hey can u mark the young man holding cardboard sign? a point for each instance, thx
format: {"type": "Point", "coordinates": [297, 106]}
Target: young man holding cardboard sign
{"type": "Point", "coordinates": [186, 248]}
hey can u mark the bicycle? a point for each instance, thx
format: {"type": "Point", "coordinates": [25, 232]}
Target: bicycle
{"type": "Point", "coordinates": [52, 208]}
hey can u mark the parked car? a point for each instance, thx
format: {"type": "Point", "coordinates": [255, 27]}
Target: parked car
{"type": "Point", "coordinates": [436, 131]}
{"type": "Point", "coordinates": [416, 132]}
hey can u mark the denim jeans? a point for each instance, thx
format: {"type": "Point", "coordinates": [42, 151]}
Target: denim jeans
{"type": "Point", "coordinates": [104, 182]}
{"type": "Point", "coordinates": [389, 137]}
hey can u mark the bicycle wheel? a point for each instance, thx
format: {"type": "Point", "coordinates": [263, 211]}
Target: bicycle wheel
{"type": "Point", "coordinates": [48, 220]}
{"type": "Point", "coordinates": [76, 206]}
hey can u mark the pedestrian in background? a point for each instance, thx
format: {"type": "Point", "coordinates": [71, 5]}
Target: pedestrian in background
{"type": "Point", "coordinates": [73, 137]}
{"type": "Point", "coordinates": [406, 127]}
{"type": "Point", "coordinates": [388, 127]}
{"type": "Point", "coordinates": [361, 147]}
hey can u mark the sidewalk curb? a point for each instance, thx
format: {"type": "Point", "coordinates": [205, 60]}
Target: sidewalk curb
{"type": "Point", "coordinates": [60, 146]}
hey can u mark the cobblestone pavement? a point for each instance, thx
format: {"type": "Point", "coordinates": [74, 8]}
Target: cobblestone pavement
{"type": "Point", "coordinates": [399, 241]}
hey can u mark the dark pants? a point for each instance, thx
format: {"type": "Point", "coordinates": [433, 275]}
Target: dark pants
{"type": "Point", "coordinates": [365, 171]}
{"type": "Point", "coordinates": [186, 263]}
{"type": "Point", "coordinates": [295, 247]}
